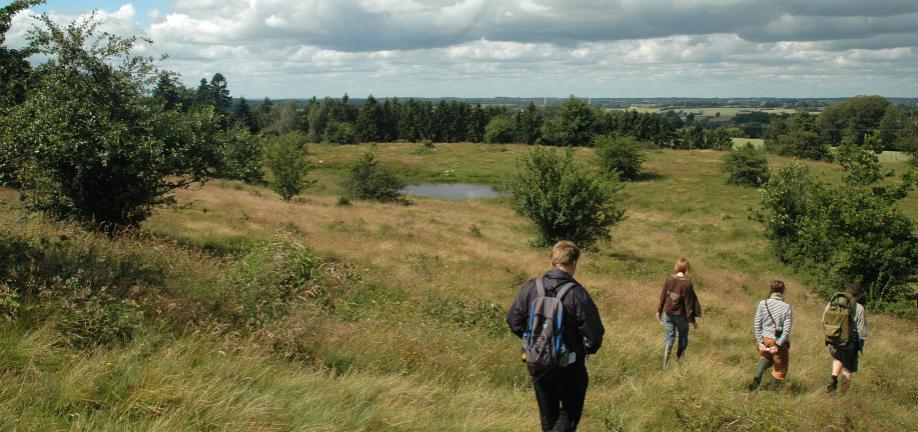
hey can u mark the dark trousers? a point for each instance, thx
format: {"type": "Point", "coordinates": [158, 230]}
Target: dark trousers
{"type": "Point", "coordinates": [560, 394]}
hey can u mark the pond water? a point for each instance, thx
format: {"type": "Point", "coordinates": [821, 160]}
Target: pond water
{"type": "Point", "coordinates": [454, 191]}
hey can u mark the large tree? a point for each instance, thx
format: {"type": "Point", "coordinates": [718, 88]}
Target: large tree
{"type": "Point", "coordinates": [220, 94]}
{"type": "Point", "coordinates": [572, 126]}
{"type": "Point", "coordinates": [852, 120]}
{"type": "Point", "coordinates": [370, 118]}
{"type": "Point", "coordinates": [89, 143]}
{"type": "Point", "coordinates": [528, 124]}
{"type": "Point", "coordinates": [243, 116]}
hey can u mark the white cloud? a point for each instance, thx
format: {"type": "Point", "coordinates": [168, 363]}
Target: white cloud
{"type": "Point", "coordinates": [534, 47]}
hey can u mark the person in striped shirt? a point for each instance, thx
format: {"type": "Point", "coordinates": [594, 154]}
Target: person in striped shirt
{"type": "Point", "coordinates": [772, 325]}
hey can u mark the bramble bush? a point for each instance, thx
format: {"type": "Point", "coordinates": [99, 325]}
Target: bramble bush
{"type": "Point", "coordinates": [564, 199]}
{"type": "Point", "coordinates": [85, 291]}
{"type": "Point", "coordinates": [746, 166]}
{"type": "Point", "coordinates": [853, 232]}
{"type": "Point", "coordinates": [619, 154]}
{"type": "Point", "coordinates": [368, 180]}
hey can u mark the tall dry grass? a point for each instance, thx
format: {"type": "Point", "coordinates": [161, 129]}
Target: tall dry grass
{"type": "Point", "coordinates": [409, 334]}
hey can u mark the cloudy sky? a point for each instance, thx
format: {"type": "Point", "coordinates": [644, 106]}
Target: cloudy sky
{"type": "Point", "coordinates": [528, 48]}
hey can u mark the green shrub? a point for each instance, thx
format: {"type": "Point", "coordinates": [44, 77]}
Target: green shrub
{"type": "Point", "coordinates": [718, 138]}
{"type": "Point", "coordinates": [285, 158]}
{"type": "Point", "coordinates": [853, 232]}
{"type": "Point", "coordinates": [801, 144]}
{"type": "Point", "coordinates": [746, 166]}
{"type": "Point", "coordinates": [339, 133]}
{"type": "Point", "coordinates": [241, 155]}
{"type": "Point", "coordinates": [500, 130]}
{"type": "Point", "coordinates": [368, 180]}
{"type": "Point", "coordinates": [620, 155]}
{"type": "Point", "coordinates": [565, 200]}
{"type": "Point", "coordinates": [693, 138]}
{"type": "Point", "coordinates": [427, 147]}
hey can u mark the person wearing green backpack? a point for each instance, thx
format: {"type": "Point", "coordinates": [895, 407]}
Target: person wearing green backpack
{"type": "Point", "coordinates": [845, 323]}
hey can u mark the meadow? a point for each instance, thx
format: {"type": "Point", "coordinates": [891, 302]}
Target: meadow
{"type": "Point", "coordinates": [401, 322]}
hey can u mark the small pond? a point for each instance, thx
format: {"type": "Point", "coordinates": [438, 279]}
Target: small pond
{"type": "Point", "coordinates": [454, 191]}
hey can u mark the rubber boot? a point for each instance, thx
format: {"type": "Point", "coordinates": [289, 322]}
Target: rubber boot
{"type": "Point", "coordinates": [667, 351]}
{"type": "Point", "coordinates": [754, 385]}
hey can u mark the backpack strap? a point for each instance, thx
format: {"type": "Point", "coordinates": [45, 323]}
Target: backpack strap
{"type": "Point", "coordinates": [773, 321]}
{"type": "Point", "coordinates": [564, 289]}
{"type": "Point", "coordinates": [540, 287]}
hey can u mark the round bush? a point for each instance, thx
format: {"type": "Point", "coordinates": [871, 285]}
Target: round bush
{"type": "Point", "coordinates": [619, 154]}
{"type": "Point", "coordinates": [746, 166]}
{"type": "Point", "coordinates": [565, 200]}
{"type": "Point", "coordinates": [370, 181]}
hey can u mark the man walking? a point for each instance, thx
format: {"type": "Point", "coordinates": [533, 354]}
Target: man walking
{"type": "Point", "coordinates": [560, 391]}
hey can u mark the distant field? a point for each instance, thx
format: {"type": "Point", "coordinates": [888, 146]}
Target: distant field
{"type": "Point", "coordinates": [730, 112]}
{"type": "Point", "coordinates": [756, 142]}
{"type": "Point", "coordinates": [725, 112]}
{"type": "Point", "coordinates": [887, 156]}
{"type": "Point", "coordinates": [893, 156]}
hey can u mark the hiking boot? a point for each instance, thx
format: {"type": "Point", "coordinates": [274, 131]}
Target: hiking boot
{"type": "Point", "coordinates": [833, 385]}
{"type": "Point", "coordinates": [844, 386]}
{"type": "Point", "coordinates": [754, 385]}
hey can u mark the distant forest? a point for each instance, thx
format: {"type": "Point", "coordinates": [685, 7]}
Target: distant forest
{"type": "Point", "coordinates": [680, 123]}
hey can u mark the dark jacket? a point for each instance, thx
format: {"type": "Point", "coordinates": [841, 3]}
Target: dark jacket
{"type": "Point", "coordinates": [582, 328]}
{"type": "Point", "coordinates": [678, 298]}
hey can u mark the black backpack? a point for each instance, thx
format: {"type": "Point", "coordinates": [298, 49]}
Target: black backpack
{"type": "Point", "coordinates": [543, 348]}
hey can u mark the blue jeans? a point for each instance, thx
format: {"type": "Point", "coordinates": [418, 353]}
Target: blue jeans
{"type": "Point", "coordinates": [672, 324]}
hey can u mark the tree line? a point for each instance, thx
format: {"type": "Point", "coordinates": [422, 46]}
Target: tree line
{"type": "Point", "coordinates": [342, 121]}
{"type": "Point", "coordinates": [863, 120]}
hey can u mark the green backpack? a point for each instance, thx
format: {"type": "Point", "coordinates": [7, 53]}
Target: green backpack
{"type": "Point", "coordinates": [837, 319]}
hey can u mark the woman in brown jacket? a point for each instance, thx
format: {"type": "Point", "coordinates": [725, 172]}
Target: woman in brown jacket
{"type": "Point", "coordinates": [678, 308]}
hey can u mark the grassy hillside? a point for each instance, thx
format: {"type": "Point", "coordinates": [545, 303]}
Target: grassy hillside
{"type": "Point", "coordinates": [307, 315]}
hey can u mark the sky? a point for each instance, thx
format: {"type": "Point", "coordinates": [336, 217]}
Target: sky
{"type": "Point", "coordinates": [523, 48]}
